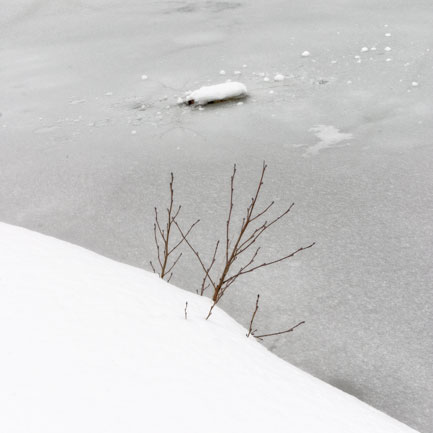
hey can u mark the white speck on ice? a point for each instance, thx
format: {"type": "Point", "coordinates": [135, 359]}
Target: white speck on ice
{"type": "Point", "coordinates": [364, 49]}
{"type": "Point", "coordinates": [415, 84]}
{"type": "Point", "coordinates": [349, 81]}
{"type": "Point", "coordinates": [387, 35]}
{"type": "Point", "coordinates": [279, 77]}
{"type": "Point", "coordinates": [271, 92]}
{"type": "Point", "coordinates": [240, 103]}
{"type": "Point", "coordinates": [387, 48]}
{"type": "Point", "coordinates": [237, 72]}
{"type": "Point", "coordinates": [373, 48]}
{"type": "Point", "coordinates": [108, 93]}
{"type": "Point", "coordinates": [266, 79]}
{"type": "Point", "coordinates": [133, 132]}
{"type": "Point", "coordinates": [244, 66]}
{"type": "Point", "coordinates": [222, 72]}
{"type": "Point", "coordinates": [333, 62]}
{"type": "Point", "coordinates": [306, 54]}
{"type": "Point", "coordinates": [388, 60]}
{"type": "Point", "coordinates": [144, 77]}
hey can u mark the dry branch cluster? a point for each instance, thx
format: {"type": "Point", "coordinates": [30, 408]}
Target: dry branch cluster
{"type": "Point", "coordinates": [240, 243]}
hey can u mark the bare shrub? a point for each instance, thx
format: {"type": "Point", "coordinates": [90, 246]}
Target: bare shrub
{"type": "Point", "coordinates": [240, 244]}
{"type": "Point", "coordinates": [162, 237]}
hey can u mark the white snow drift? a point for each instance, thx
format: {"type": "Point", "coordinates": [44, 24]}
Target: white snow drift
{"type": "Point", "coordinates": [90, 345]}
{"type": "Point", "coordinates": [215, 93]}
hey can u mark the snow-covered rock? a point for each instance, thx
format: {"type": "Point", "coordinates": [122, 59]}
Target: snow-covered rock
{"type": "Point", "coordinates": [215, 93]}
{"type": "Point", "coordinates": [90, 345]}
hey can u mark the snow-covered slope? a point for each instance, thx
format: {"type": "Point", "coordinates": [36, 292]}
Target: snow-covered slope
{"type": "Point", "coordinates": [91, 345]}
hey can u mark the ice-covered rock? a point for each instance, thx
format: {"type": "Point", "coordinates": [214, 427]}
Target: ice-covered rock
{"type": "Point", "coordinates": [215, 93]}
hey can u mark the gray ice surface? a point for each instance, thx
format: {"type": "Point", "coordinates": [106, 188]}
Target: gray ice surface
{"type": "Point", "coordinates": [86, 147]}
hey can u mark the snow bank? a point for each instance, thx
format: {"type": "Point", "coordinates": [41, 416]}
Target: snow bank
{"type": "Point", "coordinates": [90, 345]}
{"type": "Point", "coordinates": [215, 93]}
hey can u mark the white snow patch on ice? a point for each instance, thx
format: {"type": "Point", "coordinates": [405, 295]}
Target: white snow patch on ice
{"type": "Point", "coordinates": [329, 137]}
{"type": "Point", "coordinates": [279, 77]}
{"type": "Point", "coordinates": [306, 54]}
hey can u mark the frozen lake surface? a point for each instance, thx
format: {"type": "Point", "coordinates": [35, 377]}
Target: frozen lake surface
{"type": "Point", "coordinates": [90, 130]}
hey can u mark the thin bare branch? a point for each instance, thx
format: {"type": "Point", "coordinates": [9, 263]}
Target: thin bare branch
{"type": "Point", "coordinates": [206, 275]}
{"type": "Point", "coordinates": [186, 235]}
{"type": "Point", "coordinates": [278, 260]}
{"type": "Point", "coordinates": [153, 267]}
{"type": "Point", "coordinates": [262, 212]}
{"type": "Point", "coordinates": [195, 252]}
{"type": "Point", "coordinates": [250, 329]}
{"type": "Point", "coordinates": [281, 332]}
{"type": "Point", "coordinates": [232, 180]}
{"type": "Point", "coordinates": [174, 264]}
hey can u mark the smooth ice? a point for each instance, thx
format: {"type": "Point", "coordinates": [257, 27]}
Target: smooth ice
{"type": "Point", "coordinates": [90, 130]}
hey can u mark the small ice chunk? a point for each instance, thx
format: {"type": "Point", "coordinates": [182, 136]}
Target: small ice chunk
{"type": "Point", "coordinates": [415, 84]}
{"type": "Point", "coordinates": [271, 92]}
{"type": "Point", "coordinates": [373, 48]}
{"type": "Point", "coordinates": [364, 49]}
{"type": "Point", "coordinates": [217, 92]}
{"type": "Point", "coordinates": [266, 79]}
{"type": "Point", "coordinates": [357, 57]}
{"type": "Point", "coordinates": [144, 77]}
{"type": "Point", "coordinates": [387, 48]}
{"type": "Point", "coordinates": [133, 132]}
{"type": "Point", "coordinates": [306, 54]}
{"type": "Point", "coordinates": [222, 72]}
{"type": "Point", "coordinates": [387, 35]}
{"type": "Point", "coordinates": [279, 77]}
{"type": "Point", "coordinates": [388, 60]}
{"type": "Point", "coordinates": [240, 103]}
{"type": "Point", "coordinates": [349, 81]}
{"type": "Point", "coordinates": [244, 66]}
{"type": "Point", "coordinates": [333, 62]}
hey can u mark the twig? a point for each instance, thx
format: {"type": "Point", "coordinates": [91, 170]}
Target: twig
{"type": "Point", "coordinates": [250, 330]}
{"type": "Point", "coordinates": [162, 238]}
{"type": "Point", "coordinates": [186, 310]}
{"type": "Point", "coordinates": [281, 332]}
